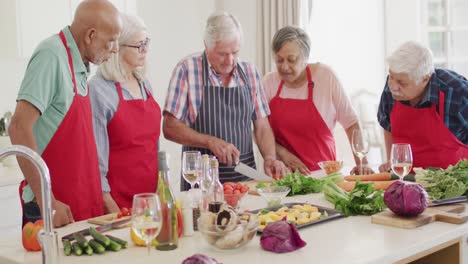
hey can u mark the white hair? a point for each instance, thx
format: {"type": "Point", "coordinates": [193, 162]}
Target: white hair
{"type": "Point", "coordinates": [112, 69]}
{"type": "Point", "coordinates": [413, 59]}
{"type": "Point", "coordinates": [221, 26]}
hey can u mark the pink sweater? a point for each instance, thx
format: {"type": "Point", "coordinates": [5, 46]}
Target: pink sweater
{"type": "Point", "coordinates": [329, 97]}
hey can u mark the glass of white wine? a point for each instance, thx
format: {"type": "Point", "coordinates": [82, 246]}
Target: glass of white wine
{"type": "Point", "coordinates": [401, 159]}
{"type": "Point", "coordinates": [146, 217]}
{"type": "Point", "coordinates": [360, 145]}
{"type": "Point", "coordinates": [191, 166]}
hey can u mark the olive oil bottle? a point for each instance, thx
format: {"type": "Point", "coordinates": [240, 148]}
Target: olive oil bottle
{"type": "Point", "coordinates": [168, 237]}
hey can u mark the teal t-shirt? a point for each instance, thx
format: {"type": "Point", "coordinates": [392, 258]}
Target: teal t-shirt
{"type": "Point", "coordinates": [48, 85]}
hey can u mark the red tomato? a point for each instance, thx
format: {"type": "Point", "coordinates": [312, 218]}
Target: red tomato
{"type": "Point", "coordinates": [228, 187]}
{"type": "Point", "coordinates": [238, 186]}
{"type": "Point", "coordinates": [228, 191]}
{"type": "Point", "coordinates": [124, 211]}
{"type": "Point", "coordinates": [236, 192]}
{"type": "Point", "coordinates": [244, 189]}
{"type": "Point", "coordinates": [119, 215]}
{"type": "Point", "coordinates": [229, 184]}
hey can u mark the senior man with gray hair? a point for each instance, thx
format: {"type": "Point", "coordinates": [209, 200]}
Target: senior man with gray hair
{"type": "Point", "coordinates": [425, 107]}
{"type": "Point", "coordinates": [213, 99]}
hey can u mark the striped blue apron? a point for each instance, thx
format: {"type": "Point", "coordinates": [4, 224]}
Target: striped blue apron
{"type": "Point", "coordinates": [226, 113]}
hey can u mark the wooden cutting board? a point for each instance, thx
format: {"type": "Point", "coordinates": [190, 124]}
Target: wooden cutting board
{"type": "Point", "coordinates": [109, 219]}
{"type": "Point", "coordinates": [447, 213]}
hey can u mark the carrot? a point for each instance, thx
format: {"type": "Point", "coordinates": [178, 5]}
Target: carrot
{"type": "Point", "coordinates": [383, 176]}
{"type": "Point", "coordinates": [378, 185]}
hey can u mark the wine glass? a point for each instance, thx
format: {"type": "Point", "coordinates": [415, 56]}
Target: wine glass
{"type": "Point", "coordinates": [401, 159]}
{"type": "Point", "coordinates": [191, 166]}
{"type": "Point", "coordinates": [146, 217]}
{"type": "Point", "coordinates": [360, 145]}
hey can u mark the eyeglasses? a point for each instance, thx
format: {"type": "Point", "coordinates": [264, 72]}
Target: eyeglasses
{"type": "Point", "coordinates": [143, 47]}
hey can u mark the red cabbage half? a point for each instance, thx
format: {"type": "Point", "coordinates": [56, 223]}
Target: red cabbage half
{"type": "Point", "coordinates": [281, 237]}
{"type": "Point", "coordinates": [200, 259]}
{"type": "Point", "coordinates": [406, 199]}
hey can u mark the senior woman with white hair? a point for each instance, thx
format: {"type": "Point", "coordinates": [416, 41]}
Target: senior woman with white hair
{"type": "Point", "coordinates": [214, 98]}
{"type": "Point", "coordinates": [425, 107]}
{"type": "Point", "coordinates": [126, 120]}
{"type": "Point", "coordinates": [306, 100]}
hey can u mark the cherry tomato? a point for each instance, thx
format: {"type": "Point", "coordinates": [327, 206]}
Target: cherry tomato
{"type": "Point", "coordinates": [238, 186]}
{"type": "Point", "coordinates": [244, 189]}
{"type": "Point", "coordinates": [228, 191]}
{"type": "Point", "coordinates": [119, 215]}
{"type": "Point", "coordinates": [124, 211]}
{"type": "Point", "coordinates": [236, 192]}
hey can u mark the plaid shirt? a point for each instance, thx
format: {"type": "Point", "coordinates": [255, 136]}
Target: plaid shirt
{"type": "Point", "coordinates": [185, 91]}
{"type": "Point", "coordinates": [455, 88]}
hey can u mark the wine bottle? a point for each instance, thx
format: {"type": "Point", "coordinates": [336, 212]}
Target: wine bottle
{"type": "Point", "coordinates": [168, 237]}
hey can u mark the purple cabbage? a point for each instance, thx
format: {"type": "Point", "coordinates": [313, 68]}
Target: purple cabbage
{"type": "Point", "coordinates": [406, 199]}
{"type": "Point", "coordinates": [281, 237]}
{"type": "Point", "coordinates": [200, 259]}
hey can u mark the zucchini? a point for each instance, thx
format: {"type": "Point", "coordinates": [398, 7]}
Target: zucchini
{"type": "Point", "coordinates": [114, 246]}
{"type": "Point", "coordinates": [67, 249]}
{"type": "Point", "coordinates": [76, 249]}
{"type": "Point", "coordinates": [122, 242]}
{"type": "Point", "coordinates": [96, 246]}
{"type": "Point", "coordinates": [81, 240]}
{"type": "Point", "coordinates": [99, 237]}
{"type": "Point", "coordinates": [88, 250]}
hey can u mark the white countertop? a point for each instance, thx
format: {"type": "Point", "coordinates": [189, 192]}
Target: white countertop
{"type": "Point", "coordinates": [344, 240]}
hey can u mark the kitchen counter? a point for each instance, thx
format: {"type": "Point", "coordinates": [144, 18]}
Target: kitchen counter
{"type": "Point", "coordinates": [345, 240]}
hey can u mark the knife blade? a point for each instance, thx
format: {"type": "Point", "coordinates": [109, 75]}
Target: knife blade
{"type": "Point", "coordinates": [459, 199]}
{"type": "Point", "coordinates": [101, 228]}
{"type": "Point", "coordinates": [251, 172]}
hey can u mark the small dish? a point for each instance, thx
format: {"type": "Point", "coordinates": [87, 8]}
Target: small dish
{"type": "Point", "coordinates": [273, 195]}
{"type": "Point", "coordinates": [331, 166]}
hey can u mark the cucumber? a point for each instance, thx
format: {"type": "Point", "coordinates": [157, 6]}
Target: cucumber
{"type": "Point", "coordinates": [67, 249]}
{"type": "Point", "coordinates": [88, 250]}
{"type": "Point", "coordinates": [81, 240]}
{"type": "Point", "coordinates": [122, 242]}
{"type": "Point", "coordinates": [114, 246]}
{"type": "Point", "coordinates": [76, 249]}
{"type": "Point", "coordinates": [97, 247]}
{"type": "Point", "coordinates": [99, 237]}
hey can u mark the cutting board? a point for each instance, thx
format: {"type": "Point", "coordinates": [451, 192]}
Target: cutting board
{"type": "Point", "coordinates": [109, 219]}
{"type": "Point", "coordinates": [447, 213]}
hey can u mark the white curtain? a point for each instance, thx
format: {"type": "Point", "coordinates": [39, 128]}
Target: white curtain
{"type": "Point", "coordinates": [273, 15]}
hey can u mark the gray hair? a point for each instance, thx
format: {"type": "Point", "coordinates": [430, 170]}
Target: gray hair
{"type": "Point", "coordinates": [221, 26]}
{"type": "Point", "coordinates": [413, 59]}
{"type": "Point", "coordinates": [112, 69]}
{"type": "Point", "coordinates": [291, 33]}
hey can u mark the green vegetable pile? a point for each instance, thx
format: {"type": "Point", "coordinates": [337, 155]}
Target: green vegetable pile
{"type": "Point", "coordinates": [362, 200]}
{"type": "Point", "coordinates": [448, 183]}
{"type": "Point", "coordinates": [300, 184]}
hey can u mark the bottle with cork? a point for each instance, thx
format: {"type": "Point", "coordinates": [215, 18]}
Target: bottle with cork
{"type": "Point", "coordinates": [217, 191]}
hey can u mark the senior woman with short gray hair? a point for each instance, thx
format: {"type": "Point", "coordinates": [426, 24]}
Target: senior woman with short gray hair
{"type": "Point", "coordinates": [126, 120]}
{"type": "Point", "coordinates": [425, 107]}
{"type": "Point", "coordinates": [213, 100]}
{"type": "Point", "coordinates": [306, 100]}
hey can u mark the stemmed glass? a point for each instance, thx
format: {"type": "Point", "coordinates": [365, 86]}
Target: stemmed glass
{"type": "Point", "coordinates": [146, 217]}
{"type": "Point", "coordinates": [401, 159]}
{"type": "Point", "coordinates": [191, 167]}
{"type": "Point", "coordinates": [360, 145]}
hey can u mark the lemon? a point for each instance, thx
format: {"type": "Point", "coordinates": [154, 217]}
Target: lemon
{"type": "Point", "coordinates": [140, 242]}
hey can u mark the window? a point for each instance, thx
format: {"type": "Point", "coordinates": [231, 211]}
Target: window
{"type": "Point", "coordinates": [445, 30]}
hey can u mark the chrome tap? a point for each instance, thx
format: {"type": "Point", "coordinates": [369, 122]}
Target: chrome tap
{"type": "Point", "coordinates": [47, 236]}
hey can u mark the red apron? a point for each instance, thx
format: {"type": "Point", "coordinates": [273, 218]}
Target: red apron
{"type": "Point", "coordinates": [299, 127]}
{"type": "Point", "coordinates": [133, 156]}
{"type": "Point", "coordinates": [71, 157]}
{"type": "Point", "coordinates": [432, 143]}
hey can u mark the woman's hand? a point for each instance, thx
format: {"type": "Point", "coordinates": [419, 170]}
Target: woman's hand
{"type": "Point", "coordinates": [385, 167]}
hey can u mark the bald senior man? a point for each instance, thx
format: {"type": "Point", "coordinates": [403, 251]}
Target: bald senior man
{"type": "Point", "coordinates": [53, 114]}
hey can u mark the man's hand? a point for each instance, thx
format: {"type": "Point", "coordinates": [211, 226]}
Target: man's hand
{"type": "Point", "coordinates": [274, 168]}
{"type": "Point", "coordinates": [63, 215]}
{"type": "Point", "coordinates": [294, 163]}
{"type": "Point", "coordinates": [226, 153]}
{"type": "Point", "coordinates": [385, 167]}
{"type": "Point", "coordinates": [365, 170]}
{"type": "Point", "coordinates": [110, 206]}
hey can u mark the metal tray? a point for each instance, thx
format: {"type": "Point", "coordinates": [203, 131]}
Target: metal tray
{"type": "Point", "coordinates": [332, 213]}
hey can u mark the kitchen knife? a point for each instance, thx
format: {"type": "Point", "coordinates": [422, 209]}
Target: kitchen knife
{"type": "Point", "coordinates": [251, 172]}
{"type": "Point", "coordinates": [460, 199]}
{"type": "Point", "coordinates": [102, 228]}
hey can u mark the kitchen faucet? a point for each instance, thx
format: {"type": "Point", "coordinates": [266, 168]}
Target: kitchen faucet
{"type": "Point", "coordinates": [47, 236]}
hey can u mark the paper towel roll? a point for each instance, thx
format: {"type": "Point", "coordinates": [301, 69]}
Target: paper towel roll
{"type": "Point", "coordinates": [9, 161]}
